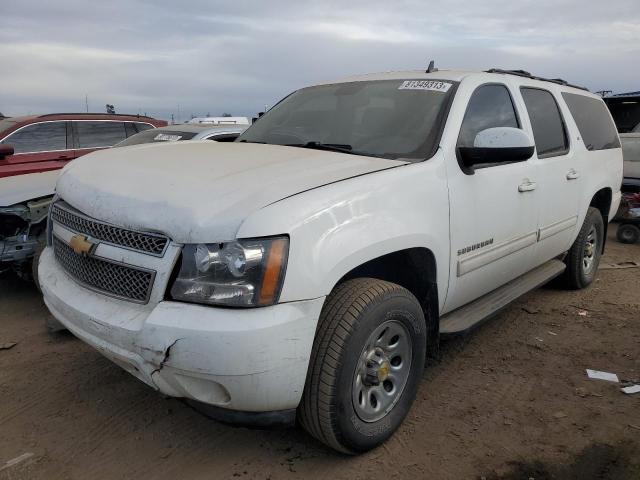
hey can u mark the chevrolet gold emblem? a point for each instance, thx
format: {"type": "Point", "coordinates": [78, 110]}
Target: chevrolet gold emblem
{"type": "Point", "coordinates": [81, 245]}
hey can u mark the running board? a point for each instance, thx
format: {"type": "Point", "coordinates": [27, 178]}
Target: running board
{"type": "Point", "coordinates": [470, 315]}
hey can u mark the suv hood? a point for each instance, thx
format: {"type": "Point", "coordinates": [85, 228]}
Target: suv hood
{"type": "Point", "coordinates": [199, 191]}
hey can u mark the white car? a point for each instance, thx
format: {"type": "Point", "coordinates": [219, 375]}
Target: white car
{"type": "Point", "coordinates": [186, 131]}
{"type": "Point", "coordinates": [310, 267]}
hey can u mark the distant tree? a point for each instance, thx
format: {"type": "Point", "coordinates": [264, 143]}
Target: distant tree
{"type": "Point", "coordinates": [226, 115]}
{"type": "Point", "coordinates": [110, 109]}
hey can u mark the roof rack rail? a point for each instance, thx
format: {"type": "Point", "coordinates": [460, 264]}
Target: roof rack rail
{"type": "Point", "coordinates": [524, 73]}
{"type": "Point", "coordinates": [137, 115]}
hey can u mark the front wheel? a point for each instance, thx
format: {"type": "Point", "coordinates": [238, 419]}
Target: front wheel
{"type": "Point", "coordinates": [583, 258]}
{"type": "Point", "coordinates": [366, 364]}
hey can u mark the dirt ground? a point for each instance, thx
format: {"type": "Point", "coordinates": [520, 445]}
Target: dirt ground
{"type": "Point", "coordinates": [509, 401]}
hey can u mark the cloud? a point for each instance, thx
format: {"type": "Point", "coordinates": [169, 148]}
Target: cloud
{"type": "Point", "coordinates": [202, 56]}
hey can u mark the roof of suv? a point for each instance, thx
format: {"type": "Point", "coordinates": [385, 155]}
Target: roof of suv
{"type": "Point", "coordinates": [455, 76]}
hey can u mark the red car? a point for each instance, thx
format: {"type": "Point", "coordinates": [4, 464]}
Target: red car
{"type": "Point", "coordinates": [32, 151]}
{"type": "Point", "coordinates": [40, 143]}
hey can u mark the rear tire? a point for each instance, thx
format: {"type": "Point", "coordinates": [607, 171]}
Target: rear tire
{"type": "Point", "coordinates": [366, 364]}
{"type": "Point", "coordinates": [628, 233]}
{"type": "Point", "coordinates": [583, 258]}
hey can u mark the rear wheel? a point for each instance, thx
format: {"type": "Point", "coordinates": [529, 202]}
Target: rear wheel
{"type": "Point", "coordinates": [583, 258]}
{"type": "Point", "coordinates": [628, 233]}
{"type": "Point", "coordinates": [366, 364]}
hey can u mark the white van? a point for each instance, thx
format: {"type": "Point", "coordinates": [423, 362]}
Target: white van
{"type": "Point", "coordinates": [310, 267]}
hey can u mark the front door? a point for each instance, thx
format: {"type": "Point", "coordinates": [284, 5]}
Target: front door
{"type": "Point", "coordinates": [493, 210]}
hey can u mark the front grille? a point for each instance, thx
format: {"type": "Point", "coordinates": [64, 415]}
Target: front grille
{"type": "Point", "coordinates": [105, 276]}
{"type": "Point", "coordinates": [141, 242]}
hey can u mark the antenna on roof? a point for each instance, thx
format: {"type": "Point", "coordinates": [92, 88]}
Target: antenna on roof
{"type": "Point", "coordinates": [432, 67]}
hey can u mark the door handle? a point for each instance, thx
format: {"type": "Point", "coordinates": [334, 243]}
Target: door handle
{"type": "Point", "coordinates": [572, 175]}
{"type": "Point", "coordinates": [527, 186]}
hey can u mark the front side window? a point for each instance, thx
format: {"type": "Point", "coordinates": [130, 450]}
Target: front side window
{"type": "Point", "coordinates": [39, 137]}
{"type": "Point", "coordinates": [99, 134]}
{"type": "Point", "coordinates": [490, 106]}
{"type": "Point", "coordinates": [382, 118]}
{"type": "Point", "coordinates": [596, 128]}
{"type": "Point", "coordinates": [546, 122]}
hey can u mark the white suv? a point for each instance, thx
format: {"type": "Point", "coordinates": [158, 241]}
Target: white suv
{"type": "Point", "coordinates": [311, 266]}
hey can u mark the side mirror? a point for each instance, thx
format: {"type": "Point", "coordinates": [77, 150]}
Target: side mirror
{"type": "Point", "coordinates": [497, 145]}
{"type": "Point", "coordinates": [6, 150]}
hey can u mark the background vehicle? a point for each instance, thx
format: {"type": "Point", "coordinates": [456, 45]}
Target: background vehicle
{"type": "Point", "coordinates": [41, 143]}
{"type": "Point", "coordinates": [625, 109]}
{"type": "Point", "coordinates": [629, 227]}
{"type": "Point", "coordinates": [311, 266]}
{"type": "Point", "coordinates": [186, 131]}
{"type": "Point", "coordinates": [33, 149]}
{"type": "Point", "coordinates": [221, 120]}
{"type": "Point", "coordinates": [631, 154]}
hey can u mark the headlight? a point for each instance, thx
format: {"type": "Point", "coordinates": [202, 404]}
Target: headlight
{"type": "Point", "coordinates": [245, 273]}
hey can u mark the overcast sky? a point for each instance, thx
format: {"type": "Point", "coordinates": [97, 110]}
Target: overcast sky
{"type": "Point", "coordinates": [197, 57]}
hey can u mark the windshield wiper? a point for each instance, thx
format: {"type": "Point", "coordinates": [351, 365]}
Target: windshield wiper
{"type": "Point", "coordinates": [331, 147]}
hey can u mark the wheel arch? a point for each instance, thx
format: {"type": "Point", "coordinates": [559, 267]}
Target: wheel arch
{"type": "Point", "coordinates": [414, 269]}
{"type": "Point", "coordinates": [602, 201]}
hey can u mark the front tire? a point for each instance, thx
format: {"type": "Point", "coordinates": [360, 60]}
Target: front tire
{"type": "Point", "coordinates": [366, 364]}
{"type": "Point", "coordinates": [583, 258]}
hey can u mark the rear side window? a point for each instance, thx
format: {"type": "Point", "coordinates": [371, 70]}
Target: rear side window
{"type": "Point", "coordinates": [130, 128]}
{"type": "Point", "coordinates": [594, 123]}
{"type": "Point", "coordinates": [490, 106]}
{"type": "Point", "coordinates": [99, 134]}
{"type": "Point", "coordinates": [546, 121]}
{"type": "Point", "coordinates": [143, 126]}
{"type": "Point", "coordinates": [631, 149]}
{"type": "Point", "coordinates": [39, 137]}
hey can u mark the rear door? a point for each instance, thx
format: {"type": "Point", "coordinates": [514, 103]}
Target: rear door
{"type": "Point", "coordinates": [493, 210]}
{"type": "Point", "coordinates": [93, 135]}
{"type": "Point", "coordinates": [557, 170]}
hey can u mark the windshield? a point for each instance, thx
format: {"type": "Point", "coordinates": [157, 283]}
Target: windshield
{"type": "Point", "coordinates": [155, 135]}
{"type": "Point", "coordinates": [384, 118]}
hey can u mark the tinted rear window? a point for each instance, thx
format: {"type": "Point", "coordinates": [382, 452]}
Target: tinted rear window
{"type": "Point", "coordinates": [143, 126]}
{"type": "Point", "coordinates": [546, 121]}
{"type": "Point", "coordinates": [594, 122]}
{"type": "Point", "coordinates": [99, 134]}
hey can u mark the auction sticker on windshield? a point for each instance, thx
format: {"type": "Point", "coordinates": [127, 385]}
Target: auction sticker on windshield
{"type": "Point", "coordinates": [433, 85]}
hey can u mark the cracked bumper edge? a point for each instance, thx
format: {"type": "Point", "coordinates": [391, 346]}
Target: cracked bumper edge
{"type": "Point", "coordinates": [252, 360]}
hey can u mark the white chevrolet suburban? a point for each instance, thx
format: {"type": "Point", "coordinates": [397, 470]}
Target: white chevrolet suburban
{"type": "Point", "coordinates": [311, 266]}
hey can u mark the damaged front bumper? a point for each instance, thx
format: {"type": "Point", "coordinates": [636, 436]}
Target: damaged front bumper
{"type": "Point", "coordinates": [249, 360]}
